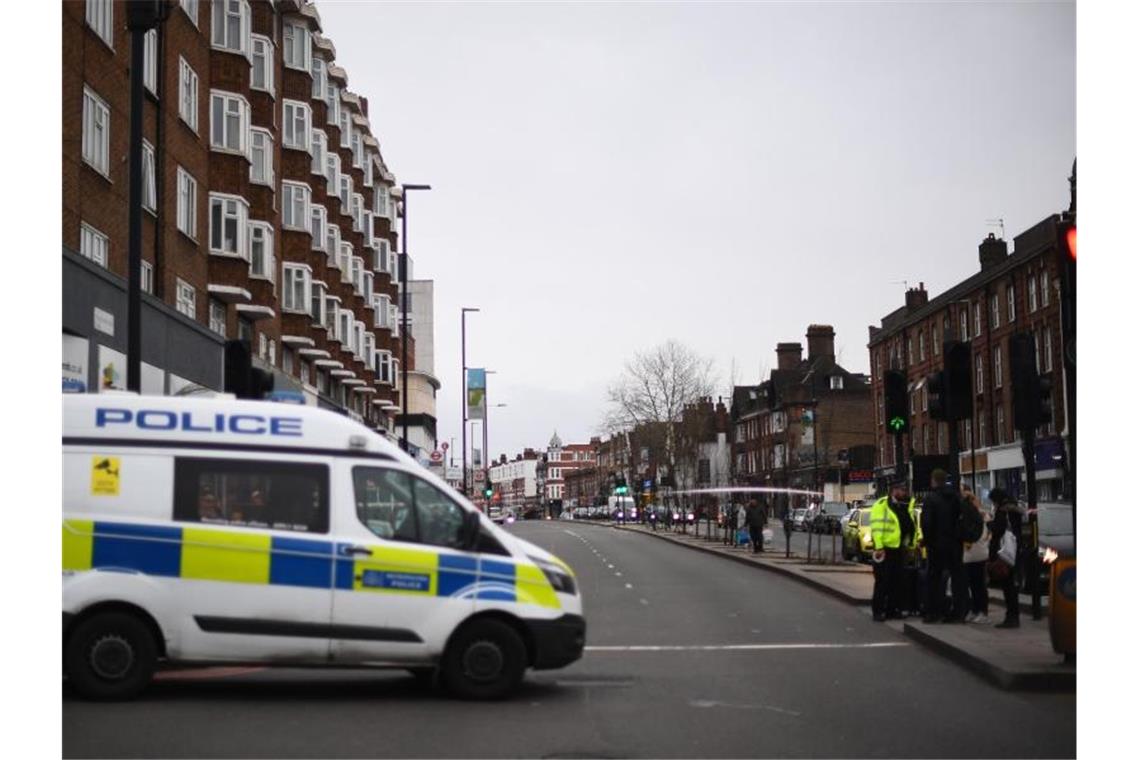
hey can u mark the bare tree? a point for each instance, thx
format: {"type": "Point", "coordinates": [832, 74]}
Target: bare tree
{"type": "Point", "coordinates": [653, 391]}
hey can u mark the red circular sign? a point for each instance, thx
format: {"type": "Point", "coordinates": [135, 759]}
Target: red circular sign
{"type": "Point", "coordinates": [437, 456]}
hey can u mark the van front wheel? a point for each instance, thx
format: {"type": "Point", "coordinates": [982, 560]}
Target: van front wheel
{"type": "Point", "coordinates": [111, 655]}
{"type": "Point", "coordinates": [485, 660]}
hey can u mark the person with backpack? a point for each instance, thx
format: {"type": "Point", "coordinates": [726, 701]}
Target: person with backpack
{"type": "Point", "coordinates": [975, 553]}
{"type": "Point", "coordinates": [1004, 535]}
{"type": "Point", "coordinates": [940, 511]}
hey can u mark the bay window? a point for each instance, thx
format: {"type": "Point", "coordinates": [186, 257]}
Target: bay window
{"type": "Point", "coordinates": [261, 156]}
{"type": "Point", "coordinates": [187, 94]}
{"type": "Point", "coordinates": [229, 122]}
{"type": "Point", "coordinates": [332, 101]}
{"type": "Point", "coordinates": [318, 219]}
{"type": "Point", "coordinates": [261, 258]}
{"type": "Point", "coordinates": [297, 49]}
{"type": "Point", "coordinates": [295, 206]}
{"type": "Point", "coordinates": [296, 287]}
{"type": "Point", "coordinates": [332, 245]}
{"type": "Point", "coordinates": [344, 262]}
{"type": "Point", "coordinates": [261, 64]}
{"type": "Point", "coordinates": [295, 130]}
{"type": "Point", "coordinates": [319, 142]}
{"type": "Point", "coordinates": [320, 83]}
{"type": "Point", "coordinates": [229, 217]}
{"type": "Point", "coordinates": [230, 27]}
{"type": "Point", "coordinates": [317, 307]}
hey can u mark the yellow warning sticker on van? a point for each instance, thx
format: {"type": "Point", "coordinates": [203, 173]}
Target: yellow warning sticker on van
{"type": "Point", "coordinates": [104, 476]}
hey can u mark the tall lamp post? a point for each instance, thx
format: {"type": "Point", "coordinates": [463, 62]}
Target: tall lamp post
{"type": "Point", "coordinates": [463, 389]}
{"type": "Point", "coordinates": [486, 413]}
{"type": "Point", "coordinates": [404, 309]}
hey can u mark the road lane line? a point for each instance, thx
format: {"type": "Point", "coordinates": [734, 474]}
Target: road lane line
{"type": "Point", "coordinates": [740, 647]}
{"type": "Point", "coordinates": [628, 585]}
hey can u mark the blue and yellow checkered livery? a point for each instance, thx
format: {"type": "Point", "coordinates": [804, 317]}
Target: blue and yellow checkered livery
{"type": "Point", "coordinates": [239, 556]}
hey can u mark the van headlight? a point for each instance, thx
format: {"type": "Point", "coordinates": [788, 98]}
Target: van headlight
{"type": "Point", "coordinates": [562, 581]}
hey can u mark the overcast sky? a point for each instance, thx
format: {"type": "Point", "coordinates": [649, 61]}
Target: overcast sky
{"type": "Point", "coordinates": [607, 176]}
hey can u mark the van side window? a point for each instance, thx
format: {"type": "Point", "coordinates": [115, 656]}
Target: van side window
{"type": "Point", "coordinates": [398, 506]}
{"type": "Point", "coordinates": [252, 494]}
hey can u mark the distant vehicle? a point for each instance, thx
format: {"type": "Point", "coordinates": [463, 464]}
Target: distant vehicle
{"type": "Point", "coordinates": [829, 517]}
{"type": "Point", "coordinates": [798, 516]}
{"type": "Point", "coordinates": [1055, 538]}
{"type": "Point", "coordinates": [857, 544]}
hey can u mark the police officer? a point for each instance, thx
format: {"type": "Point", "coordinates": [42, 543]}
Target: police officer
{"type": "Point", "coordinates": [892, 533]}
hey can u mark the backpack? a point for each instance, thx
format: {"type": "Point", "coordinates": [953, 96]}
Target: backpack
{"type": "Point", "coordinates": [970, 523]}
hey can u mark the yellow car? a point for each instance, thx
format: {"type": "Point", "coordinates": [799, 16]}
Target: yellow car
{"type": "Point", "coordinates": [857, 536]}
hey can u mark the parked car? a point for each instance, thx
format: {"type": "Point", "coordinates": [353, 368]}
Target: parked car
{"type": "Point", "coordinates": [857, 543]}
{"type": "Point", "coordinates": [798, 516]}
{"type": "Point", "coordinates": [829, 517]}
{"type": "Point", "coordinates": [1054, 539]}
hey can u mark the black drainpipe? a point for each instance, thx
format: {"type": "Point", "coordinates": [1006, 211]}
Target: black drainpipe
{"type": "Point", "coordinates": [159, 162]}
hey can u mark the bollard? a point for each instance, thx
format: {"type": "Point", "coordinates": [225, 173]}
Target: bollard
{"type": "Point", "coordinates": [833, 548]}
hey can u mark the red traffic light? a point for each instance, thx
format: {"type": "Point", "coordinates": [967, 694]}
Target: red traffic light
{"type": "Point", "coordinates": [1071, 242]}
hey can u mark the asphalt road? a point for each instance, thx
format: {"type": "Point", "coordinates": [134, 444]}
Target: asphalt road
{"type": "Point", "coordinates": [688, 655]}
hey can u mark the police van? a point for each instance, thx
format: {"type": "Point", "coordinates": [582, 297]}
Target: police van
{"type": "Point", "coordinates": [212, 530]}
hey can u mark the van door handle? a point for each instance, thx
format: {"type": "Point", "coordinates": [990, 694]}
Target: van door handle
{"type": "Point", "coordinates": [356, 550]}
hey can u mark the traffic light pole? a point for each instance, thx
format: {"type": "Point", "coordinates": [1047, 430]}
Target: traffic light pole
{"type": "Point", "coordinates": [1028, 448]}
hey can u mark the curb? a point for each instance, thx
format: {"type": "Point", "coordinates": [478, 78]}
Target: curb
{"type": "Point", "coordinates": [841, 595]}
{"type": "Point", "coordinates": [1057, 680]}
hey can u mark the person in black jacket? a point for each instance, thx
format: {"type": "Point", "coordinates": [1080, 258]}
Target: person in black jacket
{"type": "Point", "coordinates": [756, 518]}
{"type": "Point", "coordinates": [1007, 516]}
{"type": "Point", "coordinates": [944, 551]}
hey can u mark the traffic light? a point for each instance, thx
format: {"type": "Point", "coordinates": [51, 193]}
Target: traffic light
{"type": "Point", "coordinates": [959, 394]}
{"type": "Point", "coordinates": [895, 402]}
{"type": "Point", "coordinates": [1032, 393]}
{"type": "Point", "coordinates": [488, 492]}
{"type": "Point", "coordinates": [936, 395]}
{"type": "Point", "coordinates": [241, 378]}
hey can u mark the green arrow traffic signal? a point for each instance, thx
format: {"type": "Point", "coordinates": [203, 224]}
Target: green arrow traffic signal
{"type": "Point", "coordinates": [897, 424]}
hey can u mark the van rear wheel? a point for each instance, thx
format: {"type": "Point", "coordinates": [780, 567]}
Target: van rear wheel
{"type": "Point", "coordinates": [485, 660]}
{"type": "Point", "coordinates": [111, 655]}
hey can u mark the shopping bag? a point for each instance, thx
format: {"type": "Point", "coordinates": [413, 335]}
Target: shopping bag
{"type": "Point", "coordinates": [742, 537]}
{"type": "Point", "coordinates": [1007, 551]}
{"type": "Point", "coordinates": [767, 535]}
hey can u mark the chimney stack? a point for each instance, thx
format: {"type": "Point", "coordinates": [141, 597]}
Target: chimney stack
{"type": "Point", "coordinates": [917, 297]}
{"type": "Point", "coordinates": [788, 355]}
{"type": "Point", "coordinates": [992, 251]}
{"type": "Point", "coordinates": [821, 342]}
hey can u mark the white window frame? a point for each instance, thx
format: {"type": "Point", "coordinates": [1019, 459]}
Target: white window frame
{"type": "Point", "coordinates": [332, 173]}
{"type": "Point", "coordinates": [261, 142]}
{"type": "Point", "coordinates": [222, 9]}
{"type": "Point", "coordinates": [217, 319]}
{"type": "Point", "coordinates": [317, 302]}
{"type": "Point", "coordinates": [999, 425]}
{"type": "Point", "coordinates": [332, 306]}
{"type": "Point", "coordinates": [94, 245]}
{"type": "Point", "coordinates": [344, 261]}
{"type": "Point", "coordinates": [318, 70]}
{"type": "Point", "coordinates": [995, 310]}
{"type": "Point", "coordinates": [357, 148]}
{"type": "Point", "coordinates": [1031, 286]}
{"type": "Point", "coordinates": [979, 374]}
{"type": "Point", "coordinates": [977, 319]}
{"type": "Point", "coordinates": [146, 277]}
{"type": "Point", "coordinates": [318, 226]}
{"type": "Point", "coordinates": [268, 264]}
{"type": "Point", "coordinates": [150, 61]}
{"type": "Point", "coordinates": [296, 288]}
{"type": "Point", "coordinates": [240, 216]}
{"type": "Point", "coordinates": [1011, 303]}
{"type": "Point", "coordinates": [369, 283]}
{"type": "Point", "coordinates": [345, 124]}
{"type": "Point", "coordinates": [295, 200]}
{"type": "Point", "coordinates": [100, 16]}
{"type": "Point", "coordinates": [191, 9]}
{"type": "Point", "coordinates": [1048, 333]}
{"type": "Point", "coordinates": [345, 328]}
{"type": "Point", "coordinates": [368, 166]}
{"type": "Point", "coordinates": [345, 193]}
{"type": "Point", "coordinates": [296, 125]}
{"type": "Point", "coordinates": [357, 265]}
{"type": "Point", "coordinates": [186, 298]}
{"type": "Point", "coordinates": [319, 141]}
{"type": "Point", "coordinates": [261, 47]}
{"type": "Point", "coordinates": [227, 101]}
{"type": "Point", "coordinates": [356, 208]}
{"type": "Point", "coordinates": [187, 215]}
{"type": "Point", "coordinates": [332, 247]}
{"type": "Point", "coordinates": [187, 94]}
{"type": "Point", "coordinates": [964, 325]}
{"type": "Point", "coordinates": [997, 366]}
{"type": "Point", "coordinates": [96, 132]}
{"type": "Point", "coordinates": [296, 38]}
{"type": "Point", "coordinates": [332, 101]}
{"type": "Point", "coordinates": [1044, 288]}
{"type": "Point", "coordinates": [384, 368]}
{"type": "Point", "coordinates": [383, 251]}
{"type": "Point", "coordinates": [380, 200]}
{"type": "Point", "coordinates": [149, 191]}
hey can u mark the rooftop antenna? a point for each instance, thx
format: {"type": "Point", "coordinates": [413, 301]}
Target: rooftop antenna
{"type": "Point", "coordinates": [904, 283]}
{"type": "Point", "coordinates": [999, 223]}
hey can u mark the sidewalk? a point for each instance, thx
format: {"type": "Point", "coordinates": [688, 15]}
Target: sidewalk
{"type": "Point", "coordinates": [1018, 659]}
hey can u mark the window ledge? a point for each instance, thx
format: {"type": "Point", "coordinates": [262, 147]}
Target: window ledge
{"type": "Point", "coordinates": [189, 126]}
{"type": "Point", "coordinates": [231, 152]}
{"type": "Point", "coordinates": [228, 255]}
{"type": "Point", "coordinates": [246, 54]}
{"type": "Point", "coordinates": [270, 184]}
{"type": "Point", "coordinates": [299, 148]}
{"type": "Point", "coordinates": [104, 174]}
{"type": "Point", "coordinates": [270, 93]}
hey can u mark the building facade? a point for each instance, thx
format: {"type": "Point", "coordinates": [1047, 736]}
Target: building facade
{"type": "Point", "coordinates": [1009, 294]}
{"type": "Point", "coordinates": [799, 428]}
{"type": "Point", "coordinates": [423, 385]}
{"type": "Point", "coordinates": [269, 211]}
{"type": "Point", "coordinates": [561, 460]}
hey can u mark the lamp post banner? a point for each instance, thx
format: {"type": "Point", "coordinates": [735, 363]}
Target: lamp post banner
{"type": "Point", "coordinates": [476, 393]}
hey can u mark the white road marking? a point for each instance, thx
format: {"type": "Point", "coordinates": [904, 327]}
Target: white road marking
{"type": "Point", "coordinates": [644, 601]}
{"type": "Point", "coordinates": [716, 703]}
{"type": "Point", "coordinates": [617, 574]}
{"type": "Point", "coordinates": [739, 647]}
{"type": "Point", "coordinates": [611, 567]}
{"type": "Point", "coordinates": [628, 585]}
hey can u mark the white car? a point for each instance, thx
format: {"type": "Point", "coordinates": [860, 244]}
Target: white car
{"type": "Point", "coordinates": [210, 530]}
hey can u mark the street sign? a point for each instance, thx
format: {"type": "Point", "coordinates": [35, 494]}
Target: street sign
{"type": "Point", "coordinates": [437, 457]}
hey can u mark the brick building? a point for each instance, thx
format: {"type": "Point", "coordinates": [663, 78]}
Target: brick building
{"type": "Point", "coordinates": [561, 460]}
{"type": "Point", "coordinates": [805, 425]}
{"type": "Point", "coordinates": [269, 209]}
{"type": "Point", "coordinates": [1010, 293]}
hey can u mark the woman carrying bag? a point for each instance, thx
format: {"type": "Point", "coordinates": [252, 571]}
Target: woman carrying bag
{"type": "Point", "coordinates": [975, 554]}
{"type": "Point", "coordinates": [1003, 566]}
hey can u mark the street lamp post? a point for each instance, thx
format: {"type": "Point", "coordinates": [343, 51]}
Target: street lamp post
{"type": "Point", "coordinates": [463, 390]}
{"type": "Point", "coordinates": [404, 309]}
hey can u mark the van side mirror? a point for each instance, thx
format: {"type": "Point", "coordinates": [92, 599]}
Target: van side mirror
{"type": "Point", "coordinates": [469, 532]}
